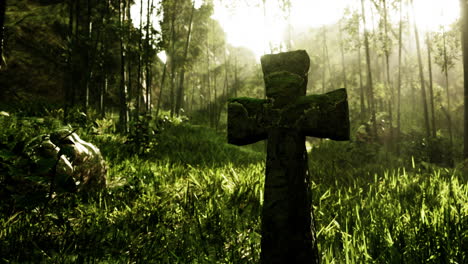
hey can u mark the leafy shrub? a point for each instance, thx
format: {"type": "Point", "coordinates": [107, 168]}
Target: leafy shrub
{"type": "Point", "coordinates": [433, 150]}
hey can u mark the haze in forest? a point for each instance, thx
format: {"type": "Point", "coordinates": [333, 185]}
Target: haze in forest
{"type": "Point", "coordinates": [264, 29]}
{"type": "Point", "coordinates": [121, 120]}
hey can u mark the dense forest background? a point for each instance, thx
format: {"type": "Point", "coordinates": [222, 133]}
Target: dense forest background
{"type": "Point", "coordinates": [151, 90]}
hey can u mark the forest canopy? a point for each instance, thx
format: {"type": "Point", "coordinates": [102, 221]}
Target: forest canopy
{"type": "Point", "coordinates": [146, 87]}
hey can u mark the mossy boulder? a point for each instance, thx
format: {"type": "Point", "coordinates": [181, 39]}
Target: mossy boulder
{"type": "Point", "coordinates": [68, 162]}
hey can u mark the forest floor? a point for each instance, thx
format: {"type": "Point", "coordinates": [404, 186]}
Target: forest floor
{"type": "Point", "coordinates": [183, 195]}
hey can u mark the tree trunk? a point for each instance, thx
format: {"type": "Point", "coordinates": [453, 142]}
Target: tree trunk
{"type": "Point", "coordinates": [421, 78]}
{"type": "Point", "coordinates": [431, 90]}
{"type": "Point", "coordinates": [123, 86]}
{"type": "Point", "coordinates": [139, 73]}
{"type": "Point", "coordinates": [68, 84]}
{"type": "Point", "coordinates": [369, 73]}
{"type": "Point", "coordinates": [225, 86]}
{"type": "Point", "coordinates": [445, 70]}
{"type": "Point", "coordinates": [361, 86]}
{"type": "Point", "coordinates": [236, 78]}
{"type": "Point", "coordinates": [400, 44]}
{"type": "Point", "coordinates": [74, 81]}
{"type": "Point", "coordinates": [464, 29]}
{"type": "Point", "coordinates": [172, 56]}
{"type": "Point", "coordinates": [208, 83]}
{"type": "Point", "coordinates": [387, 68]}
{"type": "Point", "coordinates": [148, 57]}
{"type": "Point", "coordinates": [324, 59]}
{"type": "Point", "coordinates": [180, 93]}
{"type": "Point", "coordinates": [342, 56]}
{"type": "Point", "coordinates": [129, 60]}
{"type": "Point", "coordinates": [163, 80]}
{"type": "Point", "coordinates": [2, 34]}
{"type": "Point", "coordinates": [87, 55]}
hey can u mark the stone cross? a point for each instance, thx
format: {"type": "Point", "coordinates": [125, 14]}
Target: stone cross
{"type": "Point", "coordinates": [285, 118]}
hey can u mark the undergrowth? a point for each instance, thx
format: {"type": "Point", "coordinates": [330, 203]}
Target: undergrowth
{"type": "Point", "coordinates": [182, 195]}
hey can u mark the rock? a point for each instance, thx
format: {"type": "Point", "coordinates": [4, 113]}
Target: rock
{"type": "Point", "coordinates": [73, 164]}
{"type": "Point", "coordinates": [384, 132]}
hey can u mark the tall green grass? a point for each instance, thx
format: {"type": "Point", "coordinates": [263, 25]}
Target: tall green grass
{"type": "Point", "coordinates": [192, 198]}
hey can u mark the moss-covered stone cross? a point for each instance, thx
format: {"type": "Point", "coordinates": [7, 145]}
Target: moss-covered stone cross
{"type": "Point", "coordinates": [285, 118]}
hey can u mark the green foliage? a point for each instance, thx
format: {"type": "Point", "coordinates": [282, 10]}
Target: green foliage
{"type": "Point", "coordinates": [432, 150]}
{"type": "Point", "coordinates": [194, 199]}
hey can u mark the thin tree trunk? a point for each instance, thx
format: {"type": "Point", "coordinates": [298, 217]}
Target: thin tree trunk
{"type": "Point", "coordinates": [163, 80]}
{"type": "Point", "coordinates": [431, 90]}
{"type": "Point", "coordinates": [180, 93]}
{"type": "Point", "coordinates": [400, 44]}
{"type": "Point", "coordinates": [87, 55]}
{"type": "Point", "coordinates": [387, 68]}
{"type": "Point", "coordinates": [129, 60]}
{"type": "Point", "coordinates": [68, 84]}
{"type": "Point", "coordinates": [208, 84]}
{"type": "Point", "coordinates": [464, 33]}
{"type": "Point", "coordinates": [105, 71]}
{"type": "Point", "coordinates": [123, 87]}
{"type": "Point", "coordinates": [215, 101]}
{"type": "Point", "coordinates": [75, 82]}
{"type": "Point", "coordinates": [2, 34]}
{"type": "Point", "coordinates": [148, 57]}
{"type": "Point", "coordinates": [361, 86]}
{"type": "Point", "coordinates": [236, 78]}
{"type": "Point", "coordinates": [139, 73]}
{"type": "Point", "coordinates": [342, 56]}
{"type": "Point", "coordinates": [192, 100]}
{"type": "Point", "coordinates": [324, 56]}
{"type": "Point", "coordinates": [369, 73]}
{"type": "Point", "coordinates": [172, 56]}
{"type": "Point", "coordinates": [421, 77]}
{"type": "Point", "coordinates": [445, 70]}
{"type": "Point", "coordinates": [225, 86]}
{"type": "Point", "coordinates": [214, 104]}
{"type": "Point", "coordinates": [103, 94]}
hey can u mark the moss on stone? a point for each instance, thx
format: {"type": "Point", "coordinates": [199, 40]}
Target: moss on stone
{"type": "Point", "coordinates": [284, 84]}
{"type": "Point", "coordinates": [297, 62]}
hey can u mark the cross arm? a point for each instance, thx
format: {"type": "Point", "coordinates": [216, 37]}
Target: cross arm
{"type": "Point", "coordinates": [246, 121]}
{"type": "Point", "coordinates": [325, 115]}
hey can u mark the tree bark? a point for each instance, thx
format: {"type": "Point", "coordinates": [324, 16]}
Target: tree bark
{"type": "Point", "coordinates": [369, 73]}
{"type": "Point", "coordinates": [445, 70]}
{"type": "Point", "coordinates": [400, 44]}
{"type": "Point", "coordinates": [342, 57]}
{"type": "Point", "coordinates": [123, 86]}
{"type": "Point", "coordinates": [129, 59]}
{"type": "Point", "coordinates": [148, 60]}
{"type": "Point", "coordinates": [172, 60]}
{"type": "Point", "coordinates": [2, 34]}
{"type": "Point", "coordinates": [361, 86]}
{"type": "Point", "coordinates": [324, 56]}
{"type": "Point", "coordinates": [464, 33]}
{"type": "Point", "coordinates": [139, 73]}
{"type": "Point", "coordinates": [387, 68]}
{"type": "Point", "coordinates": [180, 93]}
{"type": "Point", "coordinates": [236, 77]}
{"type": "Point", "coordinates": [68, 83]}
{"type": "Point", "coordinates": [421, 78]}
{"type": "Point", "coordinates": [87, 54]}
{"type": "Point", "coordinates": [431, 90]}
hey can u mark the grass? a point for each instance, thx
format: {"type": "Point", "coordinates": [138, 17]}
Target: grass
{"type": "Point", "coordinates": [191, 198]}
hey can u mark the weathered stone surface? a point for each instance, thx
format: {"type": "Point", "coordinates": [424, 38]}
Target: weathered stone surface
{"type": "Point", "coordinates": [296, 62]}
{"type": "Point", "coordinates": [285, 118]}
{"type": "Point", "coordinates": [365, 133]}
{"type": "Point", "coordinates": [245, 121]}
{"type": "Point", "coordinates": [74, 164]}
